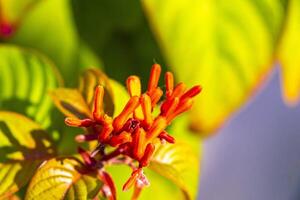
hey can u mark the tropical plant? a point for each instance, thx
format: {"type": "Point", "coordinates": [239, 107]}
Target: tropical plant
{"type": "Point", "coordinates": [230, 47]}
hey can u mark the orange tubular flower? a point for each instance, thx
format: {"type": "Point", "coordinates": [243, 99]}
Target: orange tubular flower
{"type": "Point", "coordinates": [133, 132]}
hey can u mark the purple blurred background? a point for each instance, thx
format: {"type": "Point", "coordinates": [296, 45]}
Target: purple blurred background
{"type": "Point", "coordinates": [256, 156]}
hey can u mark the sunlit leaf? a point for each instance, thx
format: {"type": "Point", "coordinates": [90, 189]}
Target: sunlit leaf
{"type": "Point", "coordinates": [120, 94]}
{"type": "Point", "coordinates": [62, 179]}
{"type": "Point", "coordinates": [180, 132]}
{"type": "Point", "coordinates": [87, 84]}
{"type": "Point", "coordinates": [226, 46]}
{"type": "Point", "coordinates": [159, 185]}
{"type": "Point", "coordinates": [71, 103]}
{"type": "Point", "coordinates": [79, 102]}
{"type": "Point", "coordinates": [289, 53]}
{"type": "Point", "coordinates": [49, 28]}
{"type": "Point", "coordinates": [178, 163]}
{"type": "Point", "coordinates": [14, 10]}
{"type": "Point", "coordinates": [25, 80]}
{"type": "Point", "coordinates": [174, 171]}
{"type": "Point", "coordinates": [23, 146]}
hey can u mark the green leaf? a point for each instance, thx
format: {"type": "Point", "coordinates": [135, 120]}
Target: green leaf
{"type": "Point", "coordinates": [63, 179]}
{"type": "Point", "coordinates": [71, 103]}
{"type": "Point", "coordinates": [180, 131]}
{"type": "Point", "coordinates": [45, 24]}
{"type": "Point", "coordinates": [13, 10]}
{"type": "Point", "coordinates": [226, 46]}
{"type": "Point", "coordinates": [49, 28]}
{"type": "Point", "coordinates": [159, 185]}
{"type": "Point", "coordinates": [289, 53]}
{"type": "Point", "coordinates": [23, 147]}
{"type": "Point", "coordinates": [87, 58]}
{"type": "Point", "coordinates": [121, 56]}
{"type": "Point", "coordinates": [79, 102]}
{"type": "Point", "coordinates": [173, 172]}
{"type": "Point", "coordinates": [178, 163]}
{"type": "Point", "coordinates": [25, 79]}
{"type": "Point", "coordinates": [121, 96]}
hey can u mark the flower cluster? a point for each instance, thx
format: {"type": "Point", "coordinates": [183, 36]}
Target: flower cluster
{"type": "Point", "coordinates": [135, 131]}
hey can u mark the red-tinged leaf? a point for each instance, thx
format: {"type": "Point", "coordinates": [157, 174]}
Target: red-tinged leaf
{"type": "Point", "coordinates": [63, 178]}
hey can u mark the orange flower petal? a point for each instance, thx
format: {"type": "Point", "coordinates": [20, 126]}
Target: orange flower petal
{"type": "Point", "coordinates": [159, 124]}
{"type": "Point", "coordinates": [155, 96]}
{"type": "Point", "coordinates": [105, 132]}
{"type": "Point", "coordinates": [179, 90]}
{"type": "Point", "coordinates": [182, 107]}
{"type": "Point", "coordinates": [171, 107]}
{"type": "Point", "coordinates": [121, 119]}
{"type": "Point", "coordinates": [136, 193]}
{"type": "Point", "coordinates": [139, 140]}
{"type": "Point", "coordinates": [122, 138]}
{"type": "Point", "coordinates": [154, 77]}
{"type": "Point", "coordinates": [78, 123]}
{"type": "Point", "coordinates": [147, 109]}
{"type": "Point", "coordinates": [169, 79]}
{"type": "Point", "coordinates": [148, 155]}
{"type": "Point", "coordinates": [133, 84]}
{"type": "Point", "coordinates": [191, 92]}
{"type": "Point", "coordinates": [98, 103]}
{"type": "Point", "coordinates": [131, 181]}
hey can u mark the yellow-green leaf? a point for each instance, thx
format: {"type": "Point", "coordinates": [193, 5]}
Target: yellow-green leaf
{"type": "Point", "coordinates": [289, 53]}
{"type": "Point", "coordinates": [14, 10]}
{"type": "Point", "coordinates": [49, 27]}
{"type": "Point", "coordinates": [71, 103]}
{"type": "Point", "coordinates": [87, 84]}
{"type": "Point", "coordinates": [173, 172]}
{"type": "Point", "coordinates": [23, 147]}
{"type": "Point", "coordinates": [62, 179]}
{"type": "Point", "coordinates": [162, 187]}
{"type": "Point", "coordinates": [226, 46]}
{"type": "Point", "coordinates": [178, 163]}
{"type": "Point", "coordinates": [121, 94]}
{"type": "Point", "coordinates": [25, 80]}
{"type": "Point", "coordinates": [79, 102]}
